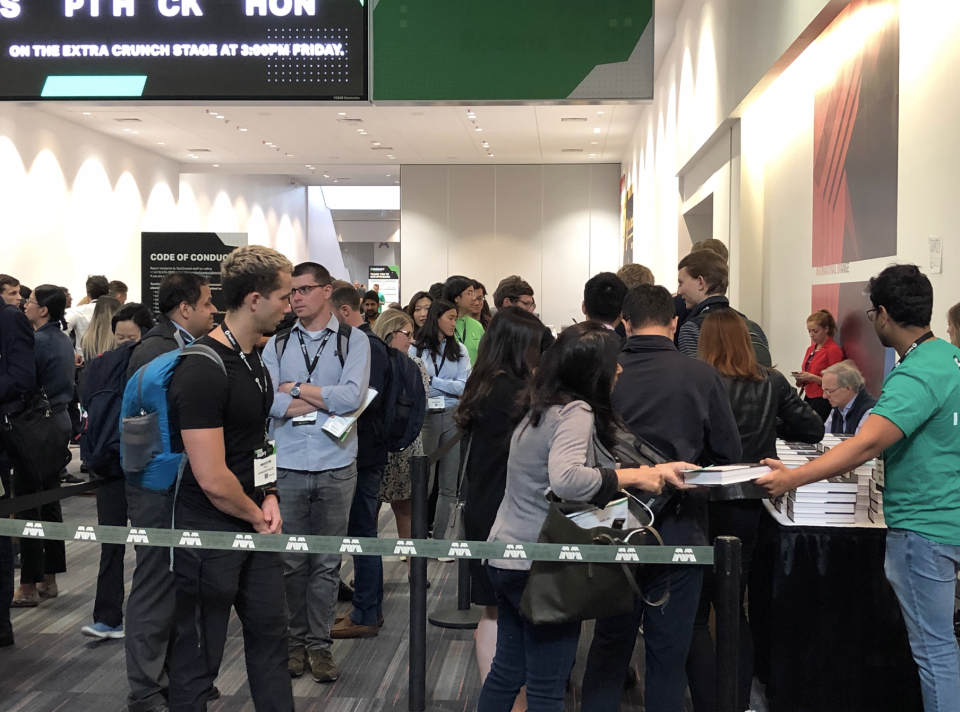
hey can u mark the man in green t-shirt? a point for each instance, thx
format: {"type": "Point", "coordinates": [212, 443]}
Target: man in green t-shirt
{"type": "Point", "coordinates": [914, 429]}
{"type": "Point", "coordinates": [459, 290]}
{"type": "Point", "coordinates": [380, 298]}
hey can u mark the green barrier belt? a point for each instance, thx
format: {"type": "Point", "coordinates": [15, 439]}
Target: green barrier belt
{"type": "Point", "coordinates": [185, 539]}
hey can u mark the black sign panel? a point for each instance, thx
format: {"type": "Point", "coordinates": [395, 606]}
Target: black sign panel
{"type": "Point", "coordinates": [166, 252]}
{"type": "Point", "coordinates": [183, 49]}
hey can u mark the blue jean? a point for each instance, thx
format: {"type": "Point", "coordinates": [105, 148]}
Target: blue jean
{"type": "Point", "coordinates": [368, 570]}
{"type": "Point", "coordinates": [538, 656]}
{"type": "Point", "coordinates": [923, 574]}
{"type": "Point", "coordinates": [667, 631]}
{"type": "Point", "coordinates": [314, 503]}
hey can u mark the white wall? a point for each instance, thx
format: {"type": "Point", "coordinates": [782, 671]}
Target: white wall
{"type": "Point", "coordinates": [555, 226]}
{"type": "Point", "coordinates": [73, 202]}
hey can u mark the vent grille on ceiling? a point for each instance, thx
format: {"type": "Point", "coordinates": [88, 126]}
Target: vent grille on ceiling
{"type": "Point", "coordinates": [571, 150]}
{"type": "Point", "coordinates": [349, 121]}
{"type": "Point", "coordinates": [572, 118]}
{"type": "Point", "coordinates": [198, 150]}
{"type": "Point", "coordinates": [129, 121]}
{"type": "Point", "coordinates": [381, 148]}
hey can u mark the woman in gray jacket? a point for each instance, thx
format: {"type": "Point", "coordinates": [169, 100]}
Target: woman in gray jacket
{"type": "Point", "coordinates": [562, 443]}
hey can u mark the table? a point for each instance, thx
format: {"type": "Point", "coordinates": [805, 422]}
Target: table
{"type": "Point", "coordinates": [827, 629]}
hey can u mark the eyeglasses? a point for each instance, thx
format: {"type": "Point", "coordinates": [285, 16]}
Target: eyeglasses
{"type": "Point", "coordinates": [871, 314]}
{"type": "Point", "coordinates": [404, 332]}
{"type": "Point", "coordinates": [831, 391]}
{"type": "Point", "coordinates": [30, 301]}
{"type": "Point", "coordinates": [304, 291]}
{"type": "Point", "coordinates": [531, 304]}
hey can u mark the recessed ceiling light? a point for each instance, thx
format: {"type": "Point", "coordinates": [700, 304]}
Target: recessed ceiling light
{"type": "Point", "coordinates": [127, 130]}
{"type": "Point", "coordinates": [342, 113]}
{"type": "Point", "coordinates": [243, 129]}
{"type": "Point", "coordinates": [86, 113]}
{"type": "Point", "coordinates": [136, 132]}
{"type": "Point", "coordinates": [359, 130]}
{"type": "Point", "coordinates": [596, 130]}
{"type": "Point", "coordinates": [389, 176]}
{"type": "Point", "coordinates": [160, 143]}
{"type": "Point", "coordinates": [216, 165]}
{"type": "Point", "coordinates": [325, 175]}
{"type": "Point", "coordinates": [599, 113]}
{"type": "Point", "coordinates": [478, 129]}
{"type": "Point", "coordinates": [593, 155]}
{"type": "Point", "coordinates": [376, 143]}
{"type": "Point", "coordinates": [593, 143]}
{"type": "Point", "coordinates": [392, 158]}
{"type": "Point", "coordinates": [489, 155]}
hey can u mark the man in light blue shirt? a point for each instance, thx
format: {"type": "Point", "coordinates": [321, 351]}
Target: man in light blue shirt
{"type": "Point", "coordinates": [321, 368]}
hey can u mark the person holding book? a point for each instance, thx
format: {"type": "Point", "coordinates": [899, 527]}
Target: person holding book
{"type": "Point", "coordinates": [913, 432]}
{"type": "Point", "coordinates": [765, 406]}
{"type": "Point", "coordinates": [319, 368]}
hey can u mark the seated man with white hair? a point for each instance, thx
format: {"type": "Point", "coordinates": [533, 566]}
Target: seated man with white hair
{"type": "Point", "coordinates": [843, 387]}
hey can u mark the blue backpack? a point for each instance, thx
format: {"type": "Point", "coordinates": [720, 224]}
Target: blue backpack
{"type": "Point", "coordinates": [146, 455]}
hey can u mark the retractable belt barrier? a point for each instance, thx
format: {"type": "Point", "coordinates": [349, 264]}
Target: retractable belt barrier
{"type": "Point", "coordinates": [431, 548]}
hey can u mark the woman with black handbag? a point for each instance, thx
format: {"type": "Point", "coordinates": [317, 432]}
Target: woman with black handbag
{"type": "Point", "coordinates": [43, 559]}
{"type": "Point", "coordinates": [568, 423]}
{"type": "Point", "coordinates": [489, 410]}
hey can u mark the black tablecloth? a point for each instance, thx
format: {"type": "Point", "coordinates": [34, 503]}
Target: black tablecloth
{"type": "Point", "coordinates": [828, 632]}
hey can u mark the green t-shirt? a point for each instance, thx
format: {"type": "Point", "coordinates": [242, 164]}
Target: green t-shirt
{"type": "Point", "coordinates": [468, 332]}
{"type": "Point", "coordinates": [921, 396]}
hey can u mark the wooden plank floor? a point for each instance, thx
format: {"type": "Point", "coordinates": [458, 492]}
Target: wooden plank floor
{"type": "Point", "coordinates": [53, 667]}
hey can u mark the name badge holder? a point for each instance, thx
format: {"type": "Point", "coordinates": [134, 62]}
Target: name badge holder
{"type": "Point", "coordinates": [265, 465]}
{"type": "Point", "coordinates": [435, 405]}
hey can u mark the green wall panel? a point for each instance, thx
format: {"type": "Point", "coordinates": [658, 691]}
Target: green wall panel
{"type": "Point", "coordinates": [487, 50]}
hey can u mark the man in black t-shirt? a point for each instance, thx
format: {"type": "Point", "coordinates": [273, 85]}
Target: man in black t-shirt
{"type": "Point", "coordinates": [220, 414]}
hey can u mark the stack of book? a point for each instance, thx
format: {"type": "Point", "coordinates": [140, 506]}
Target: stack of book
{"type": "Point", "coordinates": [832, 501]}
{"type": "Point", "coordinates": [875, 510]}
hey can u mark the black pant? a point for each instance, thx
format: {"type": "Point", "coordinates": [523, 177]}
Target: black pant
{"type": "Point", "coordinates": [208, 583]}
{"type": "Point", "coordinates": [741, 519]}
{"type": "Point", "coordinates": [821, 407]}
{"type": "Point", "coordinates": [39, 557]}
{"type": "Point", "coordinates": [666, 634]}
{"type": "Point", "coordinates": [111, 511]}
{"type": "Point", "coordinates": [6, 559]}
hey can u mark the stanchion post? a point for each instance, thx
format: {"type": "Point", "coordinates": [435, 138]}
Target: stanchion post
{"type": "Point", "coordinates": [727, 568]}
{"type": "Point", "coordinates": [419, 474]}
{"type": "Point", "coordinates": [463, 584]}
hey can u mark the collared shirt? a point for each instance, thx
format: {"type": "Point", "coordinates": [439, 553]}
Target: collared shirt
{"type": "Point", "coordinates": [56, 368]}
{"type": "Point", "coordinates": [307, 447]}
{"type": "Point", "coordinates": [843, 411]}
{"type": "Point", "coordinates": [447, 378]}
{"type": "Point", "coordinates": [78, 319]}
{"type": "Point", "coordinates": [187, 336]}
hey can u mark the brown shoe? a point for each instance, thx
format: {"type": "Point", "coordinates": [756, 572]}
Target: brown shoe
{"type": "Point", "coordinates": [29, 600]}
{"type": "Point", "coordinates": [48, 590]}
{"type": "Point", "coordinates": [346, 628]}
{"type": "Point", "coordinates": [297, 662]}
{"type": "Point", "coordinates": [322, 666]}
{"type": "Point", "coordinates": [339, 619]}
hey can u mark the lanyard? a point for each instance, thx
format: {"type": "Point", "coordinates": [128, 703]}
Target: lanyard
{"type": "Point", "coordinates": [435, 366]}
{"type": "Point", "coordinates": [316, 359]}
{"type": "Point", "coordinates": [456, 333]}
{"type": "Point", "coordinates": [263, 371]}
{"type": "Point", "coordinates": [915, 344]}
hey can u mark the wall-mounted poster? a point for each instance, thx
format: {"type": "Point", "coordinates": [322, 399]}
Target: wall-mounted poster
{"type": "Point", "coordinates": [856, 123]}
{"type": "Point", "coordinates": [626, 219]}
{"type": "Point", "coordinates": [388, 279]}
{"type": "Point", "coordinates": [197, 252]}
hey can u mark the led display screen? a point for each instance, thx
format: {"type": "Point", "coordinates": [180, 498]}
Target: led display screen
{"type": "Point", "coordinates": [313, 50]}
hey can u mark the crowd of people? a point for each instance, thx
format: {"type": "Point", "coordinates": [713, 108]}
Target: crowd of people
{"type": "Point", "coordinates": [248, 400]}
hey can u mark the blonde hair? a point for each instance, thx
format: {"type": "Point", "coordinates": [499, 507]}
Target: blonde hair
{"type": "Point", "coordinates": [249, 269]}
{"type": "Point", "coordinates": [953, 316]}
{"type": "Point", "coordinates": [633, 275]}
{"type": "Point", "coordinates": [99, 338]}
{"type": "Point", "coordinates": [391, 321]}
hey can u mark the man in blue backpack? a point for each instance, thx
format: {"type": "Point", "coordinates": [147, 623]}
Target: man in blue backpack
{"type": "Point", "coordinates": [365, 618]}
{"type": "Point", "coordinates": [320, 368]}
{"type": "Point", "coordinates": [187, 311]}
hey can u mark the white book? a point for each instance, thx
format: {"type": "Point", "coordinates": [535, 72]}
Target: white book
{"type": "Point", "coordinates": [724, 474]}
{"type": "Point", "coordinates": [339, 426]}
{"type": "Point", "coordinates": [815, 508]}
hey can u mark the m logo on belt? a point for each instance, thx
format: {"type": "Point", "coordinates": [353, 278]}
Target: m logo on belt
{"type": "Point", "coordinates": [33, 529]}
{"type": "Point", "coordinates": [684, 555]}
{"type": "Point", "coordinates": [627, 553]}
{"type": "Point", "coordinates": [243, 541]}
{"type": "Point", "coordinates": [514, 551]}
{"type": "Point", "coordinates": [351, 546]}
{"type": "Point", "coordinates": [297, 543]}
{"type": "Point", "coordinates": [137, 536]}
{"type": "Point", "coordinates": [570, 553]}
{"type": "Point", "coordinates": [85, 534]}
{"type": "Point", "coordinates": [459, 548]}
{"type": "Point", "coordinates": [405, 548]}
{"type": "Point", "coordinates": [190, 539]}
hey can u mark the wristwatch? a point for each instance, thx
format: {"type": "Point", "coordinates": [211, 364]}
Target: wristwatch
{"type": "Point", "coordinates": [272, 491]}
{"type": "Point", "coordinates": [295, 391]}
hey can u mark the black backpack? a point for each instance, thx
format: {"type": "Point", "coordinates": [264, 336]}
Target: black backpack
{"type": "Point", "coordinates": [343, 342]}
{"type": "Point", "coordinates": [757, 338]}
{"type": "Point", "coordinates": [101, 400]}
{"type": "Point", "coordinates": [405, 404]}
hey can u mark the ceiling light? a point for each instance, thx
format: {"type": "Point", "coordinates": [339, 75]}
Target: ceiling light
{"type": "Point", "coordinates": [389, 176]}
{"type": "Point", "coordinates": [489, 155]}
{"type": "Point", "coordinates": [325, 175]}
{"type": "Point", "coordinates": [599, 113]}
{"type": "Point", "coordinates": [342, 113]}
{"type": "Point", "coordinates": [376, 143]}
{"type": "Point", "coordinates": [593, 155]}
{"type": "Point", "coordinates": [596, 130]}
{"type": "Point", "coordinates": [136, 132]}
{"type": "Point", "coordinates": [366, 197]}
{"type": "Point", "coordinates": [243, 129]}
{"type": "Point", "coordinates": [216, 165]}
{"type": "Point", "coordinates": [593, 143]}
{"type": "Point", "coordinates": [359, 130]}
{"type": "Point", "coordinates": [478, 129]}
{"type": "Point", "coordinates": [127, 130]}
{"type": "Point", "coordinates": [392, 158]}
{"type": "Point", "coordinates": [86, 113]}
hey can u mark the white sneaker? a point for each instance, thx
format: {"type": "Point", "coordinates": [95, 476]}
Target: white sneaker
{"type": "Point", "coordinates": [102, 631]}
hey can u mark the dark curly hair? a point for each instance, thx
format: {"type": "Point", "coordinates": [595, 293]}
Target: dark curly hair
{"type": "Point", "coordinates": [905, 292]}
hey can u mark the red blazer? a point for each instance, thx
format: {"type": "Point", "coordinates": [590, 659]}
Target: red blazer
{"type": "Point", "coordinates": [828, 355]}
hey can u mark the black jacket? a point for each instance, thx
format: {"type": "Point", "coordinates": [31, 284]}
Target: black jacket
{"type": "Point", "coordinates": [159, 340]}
{"type": "Point", "coordinates": [862, 402]}
{"type": "Point", "coordinates": [370, 427]}
{"type": "Point", "coordinates": [18, 365]}
{"type": "Point", "coordinates": [680, 406]}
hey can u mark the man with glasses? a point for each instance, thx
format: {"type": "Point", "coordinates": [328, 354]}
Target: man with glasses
{"type": "Point", "coordinates": [320, 368]}
{"type": "Point", "coordinates": [843, 387]}
{"type": "Point", "coordinates": [515, 291]}
{"type": "Point", "coordinates": [460, 291]}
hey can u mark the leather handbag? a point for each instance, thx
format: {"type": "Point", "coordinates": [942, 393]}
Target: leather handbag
{"type": "Point", "coordinates": [565, 591]}
{"type": "Point", "coordinates": [456, 528]}
{"type": "Point", "coordinates": [36, 447]}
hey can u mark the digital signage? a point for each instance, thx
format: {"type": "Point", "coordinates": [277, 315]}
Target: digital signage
{"type": "Point", "coordinates": [309, 50]}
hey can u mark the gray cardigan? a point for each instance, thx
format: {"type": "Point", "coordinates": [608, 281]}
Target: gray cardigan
{"type": "Point", "coordinates": [555, 455]}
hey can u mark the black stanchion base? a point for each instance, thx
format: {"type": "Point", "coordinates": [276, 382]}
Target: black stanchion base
{"type": "Point", "coordinates": [455, 618]}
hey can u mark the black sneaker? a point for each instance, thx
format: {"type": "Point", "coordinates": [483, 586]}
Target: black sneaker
{"type": "Point", "coordinates": [69, 479]}
{"type": "Point", "coordinates": [344, 593]}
